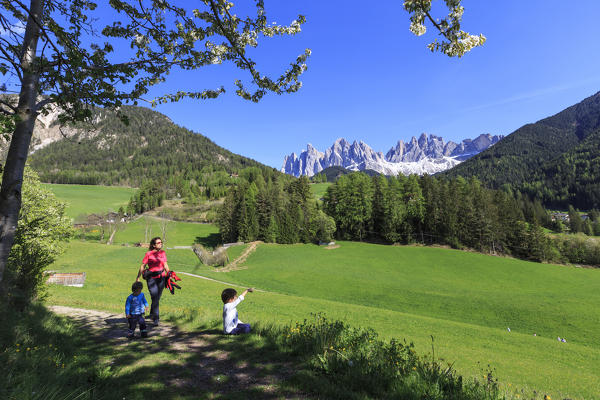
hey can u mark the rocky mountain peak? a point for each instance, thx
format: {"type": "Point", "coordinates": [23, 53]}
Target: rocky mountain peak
{"type": "Point", "coordinates": [430, 152]}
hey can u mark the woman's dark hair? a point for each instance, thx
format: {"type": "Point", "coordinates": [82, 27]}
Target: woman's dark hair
{"type": "Point", "coordinates": [153, 242]}
{"type": "Point", "coordinates": [137, 286]}
{"type": "Point", "coordinates": [228, 294]}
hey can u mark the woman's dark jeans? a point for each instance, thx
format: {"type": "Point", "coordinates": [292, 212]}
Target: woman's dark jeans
{"type": "Point", "coordinates": [155, 287]}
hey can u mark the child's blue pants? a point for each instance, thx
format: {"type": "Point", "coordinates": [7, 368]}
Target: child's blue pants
{"type": "Point", "coordinates": [134, 320]}
{"type": "Point", "coordinates": [240, 328]}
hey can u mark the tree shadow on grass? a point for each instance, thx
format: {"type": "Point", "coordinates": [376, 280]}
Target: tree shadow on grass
{"type": "Point", "coordinates": [211, 241]}
{"type": "Point", "coordinates": [210, 332]}
{"type": "Point", "coordinates": [176, 364]}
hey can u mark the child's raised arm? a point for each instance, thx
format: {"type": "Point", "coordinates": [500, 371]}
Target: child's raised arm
{"type": "Point", "coordinates": [246, 291]}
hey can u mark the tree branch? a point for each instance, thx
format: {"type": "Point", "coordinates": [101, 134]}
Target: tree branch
{"type": "Point", "coordinates": [42, 27]}
{"type": "Point", "coordinates": [439, 28]}
{"type": "Point", "coordinates": [231, 40]}
{"type": "Point", "coordinates": [6, 104]}
{"type": "Point", "coordinates": [43, 103]}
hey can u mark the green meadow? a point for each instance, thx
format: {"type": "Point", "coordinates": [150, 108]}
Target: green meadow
{"type": "Point", "coordinates": [466, 301]}
{"type": "Point", "coordinates": [177, 233]}
{"type": "Point", "coordinates": [319, 189]}
{"type": "Point", "coordinates": [87, 199]}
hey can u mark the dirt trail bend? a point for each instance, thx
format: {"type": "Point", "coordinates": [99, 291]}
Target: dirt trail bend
{"type": "Point", "coordinates": [236, 264]}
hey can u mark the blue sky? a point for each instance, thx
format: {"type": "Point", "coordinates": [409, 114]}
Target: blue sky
{"type": "Point", "coordinates": [370, 79]}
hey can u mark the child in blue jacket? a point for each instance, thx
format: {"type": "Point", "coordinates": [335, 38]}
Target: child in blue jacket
{"type": "Point", "coordinates": [135, 307]}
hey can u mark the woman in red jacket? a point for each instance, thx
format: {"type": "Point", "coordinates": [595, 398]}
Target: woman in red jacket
{"type": "Point", "coordinates": [156, 260]}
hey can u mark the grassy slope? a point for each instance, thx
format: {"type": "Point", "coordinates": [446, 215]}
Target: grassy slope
{"type": "Point", "coordinates": [178, 233]}
{"type": "Point", "coordinates": [319, 189]}
{"type": "Point", "coordinates": [464, 300]}
{"type": "Point", "coordinates": [88, 199]}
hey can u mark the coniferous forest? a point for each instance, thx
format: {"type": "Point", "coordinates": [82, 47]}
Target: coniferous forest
{"type": "Point", "coordinates": [274, 208]}
{"type": "Point", "coordinates": [410, 210]}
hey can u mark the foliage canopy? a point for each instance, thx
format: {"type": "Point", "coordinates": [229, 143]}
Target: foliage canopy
{"type": "Point", "coordinates": [41, 237]}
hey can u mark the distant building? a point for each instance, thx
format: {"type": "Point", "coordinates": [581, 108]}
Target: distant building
{"type": "Point", "coordinates": [559, 216]}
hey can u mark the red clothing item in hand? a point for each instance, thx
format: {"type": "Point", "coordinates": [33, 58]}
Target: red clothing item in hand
{"type": "Point", "coordinates": [155, 260]}
{"type": "Point", "coordinates": [170, 282]}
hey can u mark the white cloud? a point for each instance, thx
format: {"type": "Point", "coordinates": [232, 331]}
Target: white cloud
{"type": "Point", "coordinates": [532, 94]}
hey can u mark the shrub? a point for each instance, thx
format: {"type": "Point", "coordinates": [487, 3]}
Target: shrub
{"type": "Point", "coordinates": [357, 364]}
{"type": "Point", "coordinates": [41, 236]}
{"type": "Point", "coordinates": [218, 257]}
{"type": "Point", "coordinates": [579, 249]}
{"type": "Point", "coordinates": [323, 227]}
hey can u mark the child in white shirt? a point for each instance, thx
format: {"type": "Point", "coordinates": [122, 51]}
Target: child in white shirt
{"type": "Point", "coordinates": [231, 324]}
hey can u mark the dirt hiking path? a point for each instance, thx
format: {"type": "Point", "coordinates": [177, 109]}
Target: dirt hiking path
{"type": "Point", "coordinates": [235, 264]}
{"type": "Point", "coordinates": [205, 364]}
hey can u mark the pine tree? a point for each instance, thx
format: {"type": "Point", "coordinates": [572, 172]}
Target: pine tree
{"type": "Point", "coordinates": [379, 184]}
{"type": "Point", "coordinates": [588, 229]}
{"type": "Point", "coordinates": [415, 209]}
{"type": "Point", "coordinates": [575, 221]}
{"type": "Point", "coordinates": [395, 211]}
{"type": "Point", "coordinates": [270, 235]}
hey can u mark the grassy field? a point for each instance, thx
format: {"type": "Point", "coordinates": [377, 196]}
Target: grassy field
{"type": "Point", "coordinates": [88, 199]}
{"type": "Point", "coordinates": [178, 233]}
{"type": "Point", "coordinates": [465, 300]}
{"type": "Point", "coordinates": [319, 189]}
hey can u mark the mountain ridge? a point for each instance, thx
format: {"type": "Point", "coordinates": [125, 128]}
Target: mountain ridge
{"type": "Point", "coordinates": [555, 159]}
{"type": "Point", "coordinates": [109, 152]}
{"type": "Point", "coordinates": [428, 154]}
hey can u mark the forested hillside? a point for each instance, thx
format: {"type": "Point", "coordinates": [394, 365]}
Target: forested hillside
{"type": "Point", "coordinates": [151, 146]}
{"type": "Point", "coordinates": [555, 160]}
{"type": "Point", "coordinates": [573, 178]}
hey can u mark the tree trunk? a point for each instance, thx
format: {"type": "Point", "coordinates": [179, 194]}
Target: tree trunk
{"type": "Point", "coordinates": [12, 178]}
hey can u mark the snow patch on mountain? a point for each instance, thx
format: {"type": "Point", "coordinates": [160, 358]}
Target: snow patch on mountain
{"type": "Point", "coordinates": [427, 155]}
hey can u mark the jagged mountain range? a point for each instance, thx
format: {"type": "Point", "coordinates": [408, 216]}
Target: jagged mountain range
{"type": "Point", "coordinates": [427, 154]}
